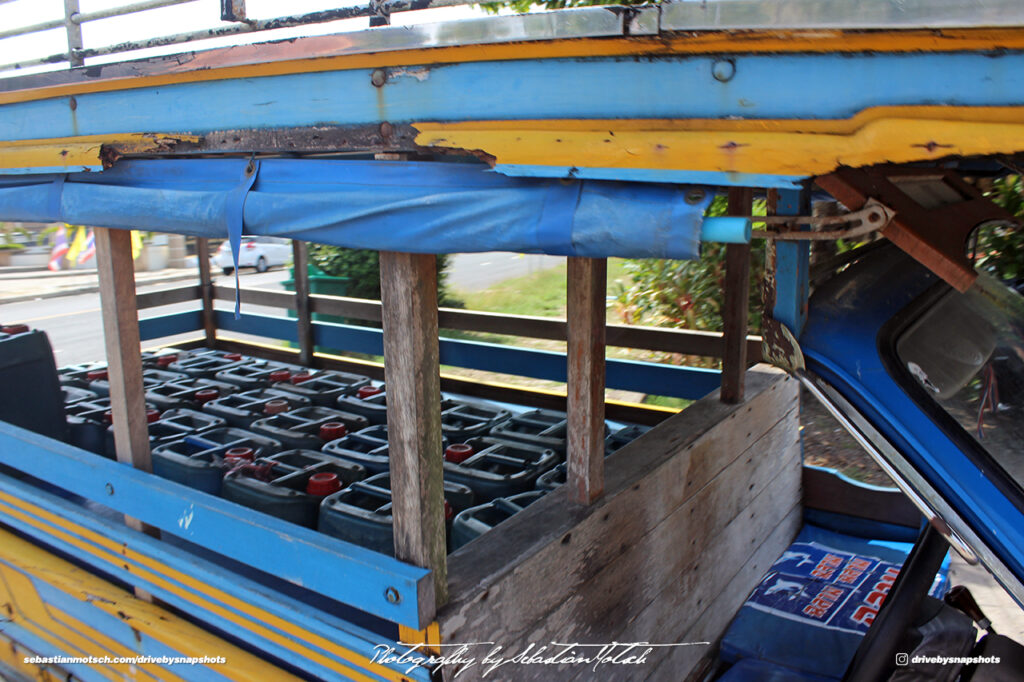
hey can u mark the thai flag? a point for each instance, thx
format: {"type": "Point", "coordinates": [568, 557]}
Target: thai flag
{"type": "Point", "coordinates": [90, 248]}
{"type": "Point", "coordinates": [60, 247]}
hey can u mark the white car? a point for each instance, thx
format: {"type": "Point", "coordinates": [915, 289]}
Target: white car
{"type": "Point", "coordinates": [256, 252]}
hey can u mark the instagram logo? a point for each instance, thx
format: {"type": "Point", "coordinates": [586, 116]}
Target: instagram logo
{"type": "Point", "coordinates": [902, 659]}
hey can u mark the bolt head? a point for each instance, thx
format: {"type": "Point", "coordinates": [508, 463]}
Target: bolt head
{"type": "Point", "coordinates": [391, 594]}
{"type": "Point", "coordinates": [723, 70]}
{"type": "Point", "coordinates": [379, 77]}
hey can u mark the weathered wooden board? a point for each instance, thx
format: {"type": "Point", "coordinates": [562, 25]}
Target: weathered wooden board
{"type": "Point", "coordinates": [828, 492]}
{"type": "Point", "coordinates": [593, 574]}
{"type": "Point", "coordinates": [720, 609]}
{"type": "Point", "coordinates": [408, 284]}
{"type": "Point", "coordinates": [587, 286]}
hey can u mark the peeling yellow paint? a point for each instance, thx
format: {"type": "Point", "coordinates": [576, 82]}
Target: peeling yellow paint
{"type": "Point", "coordinates": [74, 154]}
{"type": "Point", "coordinates": [777, 147]}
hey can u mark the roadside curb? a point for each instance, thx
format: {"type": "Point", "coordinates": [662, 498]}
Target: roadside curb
{"type": "Point", "coordinates": [92, 288]}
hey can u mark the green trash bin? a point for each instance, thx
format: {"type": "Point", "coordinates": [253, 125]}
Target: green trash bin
{"type": "Point", "coordinates": [320, 283]}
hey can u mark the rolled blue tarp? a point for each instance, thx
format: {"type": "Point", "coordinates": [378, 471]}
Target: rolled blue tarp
{"type": "Point", "coordinates": [426, 207]}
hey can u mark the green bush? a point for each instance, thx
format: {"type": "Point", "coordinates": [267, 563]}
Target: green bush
{"type": "Point", "coordinates": [1000, 249]}
{"type": "Point", "coordinates": [688, 293]}
{"type": "Point", "coordinates": [362, 267]}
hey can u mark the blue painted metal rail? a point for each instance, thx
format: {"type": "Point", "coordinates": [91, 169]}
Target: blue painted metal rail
{"type": "Point", "coordinates": [344, 572]}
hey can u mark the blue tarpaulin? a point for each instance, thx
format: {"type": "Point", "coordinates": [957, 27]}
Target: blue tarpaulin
{"type": "Point", "coordinates": [426, 207]}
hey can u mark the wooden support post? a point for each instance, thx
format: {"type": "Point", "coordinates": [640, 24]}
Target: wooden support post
{"type": "Point", "coordinates": [305, 323]}
{"type": "Point", "coordinates": [737, 300]}
{"type": "Point", "coordinates": [124, 357]}
{"type": "Point", "coordinates": [408, 284]}
{"type": "Point", "coordinates": [587, 286]}
{"type": "Point", "coordinates": [206, 289]}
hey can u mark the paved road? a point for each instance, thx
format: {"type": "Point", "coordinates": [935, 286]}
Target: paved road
{"type": "Point", "coordinates": [75, 328]}
{"type": "Point", "coordinates": [477, 271]}
{"type": "Point", "coordinates": [76, 333]}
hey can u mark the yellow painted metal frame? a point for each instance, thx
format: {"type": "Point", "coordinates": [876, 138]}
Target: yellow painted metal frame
{"type": "Point", "coordinates": [776, 147]}
{"type": "Point", "coordinates": [22, 565]}
{"type": "Point", "coordinates": [245, 615]}
{"type": "Point", "coordinates": [82, 153]}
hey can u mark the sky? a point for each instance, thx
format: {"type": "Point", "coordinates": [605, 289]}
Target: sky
{"type": "Point", "coordinates": [191, 16]}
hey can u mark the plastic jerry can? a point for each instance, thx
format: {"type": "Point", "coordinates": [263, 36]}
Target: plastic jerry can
{"type": "Point", "coordinates": [541, 428]}
{"type": "Point", "coordinates": [259, 374]}
{"type": "Point", "coordinates": [323, 388]}
{"type": "Point", "coordinates": [87, 424]}
{"type": "Point", "coordinates": [368, 448]}
{"type": "Point", "coordinates": [493, 467]}
{"type": "Point", "coordinates": [242, 409]}
{"type": "Point", "coordinates": [170, 426]}
{"type": "Point", "coordinates": [623, 437]}
{"type": "Point", "coordinates": [73, 394]}
{"type": "Point", "coordinates": [82, 374]}
{"type": "Point", "coordinates": [464, 419]}
{"type": "Point", "coordinates": [160, 359]}
{"type": "Point", "coordinates": [361, 514]}
{"type": "Point", "coordinates": [192, 393]}
{"type": "Point", "coordinates": [309, 427]}
{"type": "Point", "coordinates": [151, 378]}
{"type": "Point", "coordinates": [474, 522]}
{"type": "Point", "coordinates": [31, 398]}
{"type": "Point", "coordinates": [370, 400]}
{"type": "Point", "coordinates": [206, 363]}
{"type": "Point", "coordinates": [201, 460]}
{"type": "Point", "coordinates": [294, 485]}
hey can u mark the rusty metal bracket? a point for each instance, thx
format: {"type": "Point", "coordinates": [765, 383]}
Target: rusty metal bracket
{"type": "Point", "coordinates": [935, 213]}
{"type": "Point", "coordinates": [872, 217]}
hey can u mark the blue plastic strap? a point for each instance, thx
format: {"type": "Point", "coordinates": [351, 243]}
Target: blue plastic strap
{"type": "Point", "coordinates": [234, 210]}
{"type": "Point", "coordinates": [56, 192]}
{"type": "Point", "coordinates": [554, 229]}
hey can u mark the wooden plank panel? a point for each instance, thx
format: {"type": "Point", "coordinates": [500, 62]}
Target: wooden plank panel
{"type": "Point", "coordinates": [637, 593]}
{"type": "Point", "coordinates": [586, 286]}
{"type": "Point", "coordinates": [303, 316]}
{"type": "Point", "coordinates": [121, 337]}
{"type": "Point", "coordinates": [659, 583]}
{"type": "Point", "coordinates": [124, 354]}
{"type": "Point", "coordinates": [828, 492]}
{"type": "Point", "coordinates": [412, 372]}
{"type": "Point", "coordinates": [737, 300]}
{"type": "Point", "coordinates": [719, 611]}
{"type": "Point", "coordinates": [645, 481]}
{"type": "Point", "coordinates": [686, 342]}
{"type": "Point", "coordinates": [206, 290]}
{"type": "Point", "coordinates": [155, 299]}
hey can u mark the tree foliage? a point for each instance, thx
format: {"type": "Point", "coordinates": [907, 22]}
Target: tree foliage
{"type": "Point", "coordinates": [362, 268]}
{"type": "Point", "coordinates": [688, 294]}
{"type": "Point", "coordinates": [999, 249]}
{"type": "Point", "coordinates": [523, 6]}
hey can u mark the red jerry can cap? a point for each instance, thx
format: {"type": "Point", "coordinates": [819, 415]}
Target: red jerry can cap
{"type": "Point", "coordinates": [239, 453]}
{"type": "Point", "coordinates": [97, 374]}
{"type": "Point", "coordinates": [233, 356]}
{"type": "Point", "coordinates": [276, 406]}
{"type": "Point", "coordinates": [299, 378]}
{"type": "Point", "coordinates": [108, 416]}
{"type": "Point", "coordinates": [207, 394]}
{"type": "Point", "coordinates": [457, 453]}
{"type": "Point", "coordinates": [366, 391]}
{"type": "Point", "coordinates": [152, 415]}
{"type": "Point", "coordinates": [165, 360]}
{"type": "Point", "coordinates": [332, 430]}
{"type": "Point", "coordinates": [323, 483]}
{"type": "Point", "coordinates": [449, 513]}
{"type": "Point", "coordinates": [279, 375]}
{"type": "Point", "coordinates": [14, 328]}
